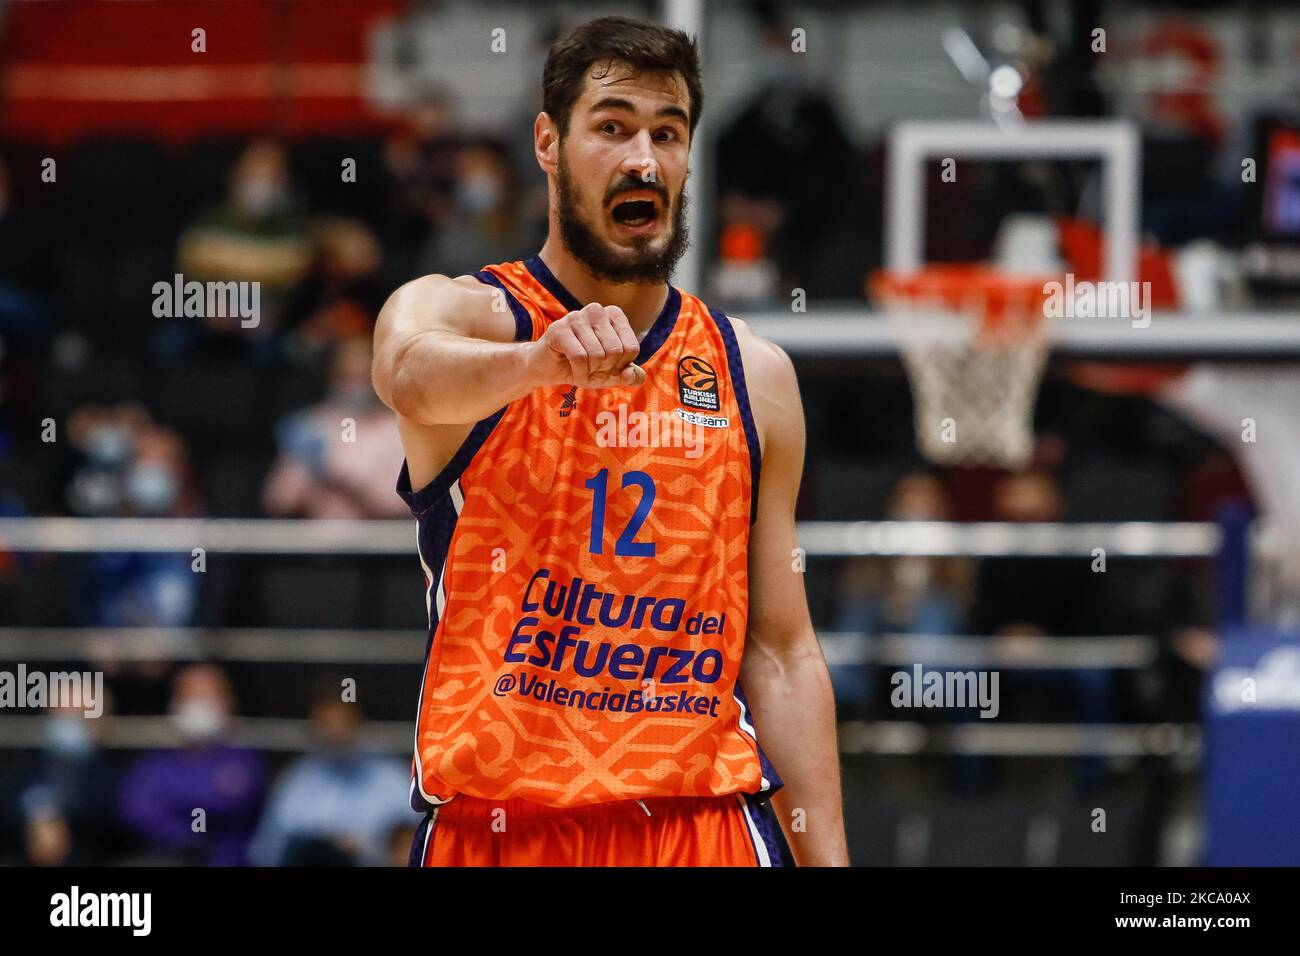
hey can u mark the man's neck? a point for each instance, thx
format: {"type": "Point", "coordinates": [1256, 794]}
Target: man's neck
{"type": "Point", "coordinates": [640, 302]}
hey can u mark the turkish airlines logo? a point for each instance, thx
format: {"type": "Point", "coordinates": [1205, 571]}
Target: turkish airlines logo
{"type": "Point", "coordinates": [697, 383]}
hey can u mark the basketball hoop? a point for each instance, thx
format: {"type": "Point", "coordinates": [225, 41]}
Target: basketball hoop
{"type": "Point", "coordinates": [973, 342]}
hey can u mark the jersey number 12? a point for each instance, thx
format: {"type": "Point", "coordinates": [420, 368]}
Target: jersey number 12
{"type": "Point", "coordinates": [626, 545]}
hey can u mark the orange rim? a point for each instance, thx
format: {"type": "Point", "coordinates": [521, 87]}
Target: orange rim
{"type": "Point", "coordinates": [1008, 307]}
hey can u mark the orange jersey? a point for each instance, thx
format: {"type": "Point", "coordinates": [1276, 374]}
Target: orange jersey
{"type": "Point", "coordinates": [586, 560]}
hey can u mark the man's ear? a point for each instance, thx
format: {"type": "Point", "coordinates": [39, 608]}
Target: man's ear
{"type": "Point", "coordinates": [546, 143]}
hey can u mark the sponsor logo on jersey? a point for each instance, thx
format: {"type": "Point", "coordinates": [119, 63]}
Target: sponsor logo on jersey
{"type": "Point", "coordinates": [697, 383]}
{"type": "Point", "coordinates": [704, 421]}
{"type": "Point", "coordinates": [569, 402]}
{"type": "Point", "coordinates": [561, 632]}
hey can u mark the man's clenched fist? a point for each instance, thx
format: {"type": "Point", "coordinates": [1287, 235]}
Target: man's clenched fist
{"type": "Point", "coordinates": [591, 348]}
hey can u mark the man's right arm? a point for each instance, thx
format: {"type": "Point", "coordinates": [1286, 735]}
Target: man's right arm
{"type": "Point", "coordinates": [445, 356]}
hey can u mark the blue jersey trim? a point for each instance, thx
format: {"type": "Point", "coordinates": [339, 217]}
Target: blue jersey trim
{"type": "Point", "coordinates": [523, 321]}
{"type": "Point", "coordinates": [774, 781]}
{"type": "Point", "coordinates": [421, 501]}
{"type": "Point", "coordinates": [662, 328]}
{"type": "Point", "coordinates": [769, 829]}
{"type": "Point", "coordinates": [542, 273]}
{"type": "Point", "coordinates": [736, 369]}
{"type": "Point", "coordinates": [420, 842]}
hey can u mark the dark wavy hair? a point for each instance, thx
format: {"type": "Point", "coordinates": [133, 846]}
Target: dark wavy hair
{"type": "Point", "coordinates": [645, 47]}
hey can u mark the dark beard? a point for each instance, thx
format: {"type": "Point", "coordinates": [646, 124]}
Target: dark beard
{"type": "Point", "coordinates": [605, 262]}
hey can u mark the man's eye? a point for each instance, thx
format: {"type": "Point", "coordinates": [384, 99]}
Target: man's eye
{"type": "Point", "coordinates": [609, 128]}
{"type": "Point", "coordinates": [665, 135]}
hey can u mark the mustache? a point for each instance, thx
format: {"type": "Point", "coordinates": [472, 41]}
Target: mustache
{"type": "Point", "coordinates": [630, 184]}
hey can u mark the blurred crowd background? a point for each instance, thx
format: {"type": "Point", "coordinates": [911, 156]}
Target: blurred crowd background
{"type": "Point", "coordinates": [226, 165]}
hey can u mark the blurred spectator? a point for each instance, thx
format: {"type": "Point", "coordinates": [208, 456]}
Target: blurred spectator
{"type": "Point", "coordinates": [103, 437]}
{"type": "Point", "coordinates": [422, 157]}
{"type": "Point", "coordinates": [131, 467]}
{"type": "Point", "coordinates": [336, 804]}
{"type": "Point", "coordinates": [338, 459]}
{"type": "Point", "coordinates": [785, 166]}
{"type": "Point", "coordinates": [257, 234]}
{"type": "Point", "coordinates": [1026, 597]}
{"type": "Point", "coordinates": [345, 291]}
{"type": "Point", "coordinates": [484, 225]}
{"type": "Point", "coordinates": [66, 804]}
{"type": "Point", "coordinates": [907, 595]}
{"type": "Point", "coordinates": [1025, 602]}
{"type": "Point", "coordinates": [198, 802]}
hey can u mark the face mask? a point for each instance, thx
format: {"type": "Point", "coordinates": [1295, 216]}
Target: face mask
{"type": "Point", "coordinates": [199, 720]}
{"type": "Point", "coordinates": [95, 491]}
{"type": "Point", "coordinates": [108, 445]}
{"type": "Point", "coordinates": [152, 488]}
{"type": "Point", "coordinates": [478, 194]}
{"type": "Point", "coordinates": [259, 196]}
{"type": "Point", "coordinates": [67, 736]}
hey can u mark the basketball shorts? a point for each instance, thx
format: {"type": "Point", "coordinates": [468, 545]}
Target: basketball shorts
{"type": "Point", "coordinates": [733, 830]}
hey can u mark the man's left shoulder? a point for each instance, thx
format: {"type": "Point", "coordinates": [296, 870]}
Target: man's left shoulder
{"type": "Point", "coordinates": [767, 366]}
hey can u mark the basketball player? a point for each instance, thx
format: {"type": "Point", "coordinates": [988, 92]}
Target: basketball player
{"type": "Point", "coordinates": [616, 611]}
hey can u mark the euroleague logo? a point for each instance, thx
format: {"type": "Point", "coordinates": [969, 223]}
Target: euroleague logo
{"type": "Point", "coordinates": [697, 383]}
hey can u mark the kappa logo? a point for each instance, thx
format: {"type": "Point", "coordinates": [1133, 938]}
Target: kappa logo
{"type": "Point", "coordinates": [697, 383]}
{"type": "Point", "coordinates": [569, 402]}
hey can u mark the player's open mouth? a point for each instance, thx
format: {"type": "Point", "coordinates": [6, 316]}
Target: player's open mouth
{"type": "Point", "coordinates": [636, 214]}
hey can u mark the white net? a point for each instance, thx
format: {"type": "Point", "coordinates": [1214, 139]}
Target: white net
{"type": "Point", "coordinates": [973, 391]}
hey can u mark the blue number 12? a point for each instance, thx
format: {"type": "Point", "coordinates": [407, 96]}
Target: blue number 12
{"type": "Point", "coordinates": [625, 546]}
